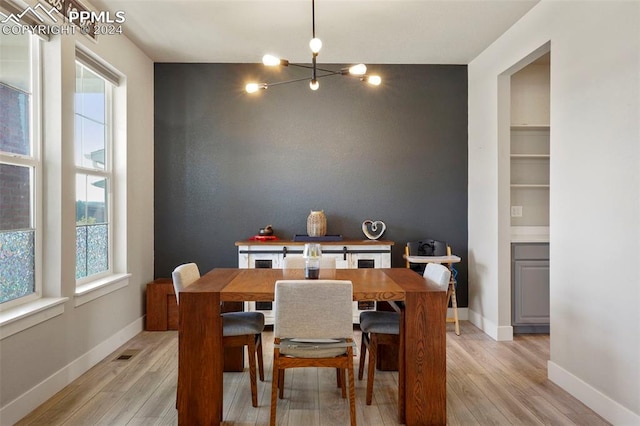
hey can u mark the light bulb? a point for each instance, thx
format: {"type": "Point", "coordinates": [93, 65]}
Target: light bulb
{"type": "Point", "coordinates": [315, 44]}
{"type": "Point", "coordinates": [313, 84]}
{"type": "Point", "coordinates": [254, 87]}
{"type": "Point", "coordinates": [374, 80]}
{"type": "Point", "coordinates": [360, 69]}
{"type": "Point", "coordinates": [270, 60]}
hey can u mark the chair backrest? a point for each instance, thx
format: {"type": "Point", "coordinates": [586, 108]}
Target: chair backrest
{"type": "Point", "coordinates": [437, 273]}
{"type": "Point", "coordinates": [313, 309]}
{"type": "Point", "coordinates": [183, 276]}
{"type": "Point", "coordinates": [424, 247]}
{"type": "Point", "coordinates": [297, 262]}
{"type": "Point", "coordinates": [427, 247]}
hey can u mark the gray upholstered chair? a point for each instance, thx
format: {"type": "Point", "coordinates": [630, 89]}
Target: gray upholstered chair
{"type": "Point", "coordinates": [326, 263]}
{"type": "Point", "coordinates": [383, 328]}
{"type": "Point", "coordinates": [238, 328]}
{"type": "Point", "coordinates": [297, 262]}
{"type": "Point", "coordinates": [301, 340]}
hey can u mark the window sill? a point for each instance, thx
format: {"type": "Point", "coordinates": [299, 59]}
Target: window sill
{"type": "Point", "coordinates": [21, 317]}
{"type": "Point", "coordinates": [87, 292]}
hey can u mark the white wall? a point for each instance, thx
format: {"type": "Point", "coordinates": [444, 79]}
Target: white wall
{"type": "Point", "coordinates": [594, 201]}
{"type": "Point", "coordinates": [40, 360]}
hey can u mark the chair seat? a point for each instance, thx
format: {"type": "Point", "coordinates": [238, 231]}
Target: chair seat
{"type": "Point", "coordinates": [319, 348]}
{"type": "Point", "coordinates": [380, 322]}
{"type": "Point", "coordinates": [240, 323]}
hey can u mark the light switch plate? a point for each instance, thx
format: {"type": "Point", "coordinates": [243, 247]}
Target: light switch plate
{"type": "Point", "coordinates": [516, 211]}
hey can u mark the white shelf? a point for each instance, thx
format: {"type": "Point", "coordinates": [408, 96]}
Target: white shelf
{"type": "Point", "coordinates": [529, 185]}
{"type": "Point", "coordinates": [530, 160]}
{"type": "Point", "coordinates": [527, 156]}
{"type": "Point", "coordinates": [530, 127]}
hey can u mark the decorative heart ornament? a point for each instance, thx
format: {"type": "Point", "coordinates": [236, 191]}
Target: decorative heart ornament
{"type": "Point", "coordinates": [370, 228]}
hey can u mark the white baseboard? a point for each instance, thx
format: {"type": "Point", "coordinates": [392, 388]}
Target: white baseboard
{"type": "Point", "coordinates": [606, 407]}
{"type": "Point", "coordinates": [498, 333]}
{"type": "Point", "coordinates": [28, 401]}
{"type": "Point", "coordinates": [463, 313]}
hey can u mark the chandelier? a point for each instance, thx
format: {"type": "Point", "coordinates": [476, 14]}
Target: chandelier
{"type": "Point", "coordinates": [359, 71]}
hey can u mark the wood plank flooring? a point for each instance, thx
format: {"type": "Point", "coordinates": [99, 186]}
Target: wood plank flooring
{"type": "Point", "coordinates": [488, 383]}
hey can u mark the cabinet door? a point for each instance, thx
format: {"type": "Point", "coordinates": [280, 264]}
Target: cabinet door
{"type": "Point", "coordinates": [531, 292]}
{"type": "Point", "coordinates": [365, 260]}
{"type": "Point", "coordinates": [264, 260]}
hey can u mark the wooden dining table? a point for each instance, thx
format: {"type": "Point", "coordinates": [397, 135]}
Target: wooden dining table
{"type": "Point", "coordinates": [200, 357]}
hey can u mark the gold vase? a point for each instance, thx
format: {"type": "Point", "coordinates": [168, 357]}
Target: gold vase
{"type": "Point", "coordinates": [317, 224]}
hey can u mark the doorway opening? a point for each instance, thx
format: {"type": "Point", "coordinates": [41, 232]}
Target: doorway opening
{"type": "Point", "coordinates": [525, 141]}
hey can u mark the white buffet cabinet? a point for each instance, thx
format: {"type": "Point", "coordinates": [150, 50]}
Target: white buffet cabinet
{"type": "Point", "coordinates": [348, 254]}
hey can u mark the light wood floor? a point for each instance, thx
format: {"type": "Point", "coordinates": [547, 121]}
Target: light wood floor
{"type": "Point", "coordinates": [488, 383]}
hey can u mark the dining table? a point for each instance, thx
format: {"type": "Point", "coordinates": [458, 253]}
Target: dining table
{"type": "Point", "coordinates": [200, 354]}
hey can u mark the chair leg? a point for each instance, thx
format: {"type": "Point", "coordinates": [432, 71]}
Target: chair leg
{"type": "Point", "coordinates": [338, 378]}
{"type": "Point", "coordinates": [451, 295]}
{"type": "Point", "coordinates": [178, 393]}
{"type": "Point", "coordinates": [260, 358]}
{"type": "Point", "coordinates": [363, 353]}
{"type": "Point", "coordinates": [352, 389]}
{"type": "Point", "coordinates": [274, 388]}
{"type": "Point", "coordinates": [343, 382]}
{"type": "Point", "coordinates": [454, 306]}
{"type": "Point", "coordinates": [281, 383]}
{"type": "Point", "coordinates": [373, 353]}
{"type": "Point", "coordinates": [251, 348]}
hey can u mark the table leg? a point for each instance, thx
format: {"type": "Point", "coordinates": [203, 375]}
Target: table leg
{"type": "Point", "coordinates": [200, 359]}
{"type": "Point", "coordinates": [425, 359]}
{"type": "Point", "coordinates": [402, 371]}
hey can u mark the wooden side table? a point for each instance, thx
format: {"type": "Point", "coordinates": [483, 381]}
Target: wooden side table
{"type": "Point", "coordinates": [162, 309]}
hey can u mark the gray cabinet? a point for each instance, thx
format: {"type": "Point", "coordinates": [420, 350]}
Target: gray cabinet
{"type": "Point", "coordinates": [530, 287]}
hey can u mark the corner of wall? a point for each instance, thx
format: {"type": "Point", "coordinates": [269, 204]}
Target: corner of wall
{"type": "Point", "coordinates": [497, 333]}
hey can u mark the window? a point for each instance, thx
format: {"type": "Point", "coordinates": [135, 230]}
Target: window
{"type": "Point", "coordinates": [19, 169]}
{"type": "Point", "coordinates": [93, 174]}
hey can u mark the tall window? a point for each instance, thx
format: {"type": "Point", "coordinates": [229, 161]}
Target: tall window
{"type": "Point", "coordinates": [19, 169]}
{"type": "Point", "coordinates": [93, 174]}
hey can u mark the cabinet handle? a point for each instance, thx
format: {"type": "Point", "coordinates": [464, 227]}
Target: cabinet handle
{"type": "Point", "coordinates": [284, 252]}
{"type": "Point", "coordinates": [344, 253]}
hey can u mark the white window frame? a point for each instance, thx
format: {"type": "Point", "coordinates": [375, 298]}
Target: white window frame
{"type": "Point", "coordinates": [34, 162]}
{"type": "Point", "coordinates": [97, 285]}
{"type": "Point", "coordinates": [107, 173]}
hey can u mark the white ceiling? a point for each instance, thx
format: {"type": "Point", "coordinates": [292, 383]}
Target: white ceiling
{"type": "Point", "coordinates": [369, 31]}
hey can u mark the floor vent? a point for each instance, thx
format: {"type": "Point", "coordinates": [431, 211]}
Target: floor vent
{"type": "Point", "coordinates": [127, 355]}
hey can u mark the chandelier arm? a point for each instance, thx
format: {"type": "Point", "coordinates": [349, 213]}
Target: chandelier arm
{"type": "Point", "coordinates": [331, 72]}
{"type": "Point", "coordinates": [327, 75]}
{"type": "Point", "coordinates": [310, 67]}
{"type": "Point", "coordinates": [278, 83]}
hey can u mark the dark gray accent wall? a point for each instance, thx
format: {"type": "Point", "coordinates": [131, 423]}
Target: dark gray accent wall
{"type": "Point", "coordinates": [228, 163]}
